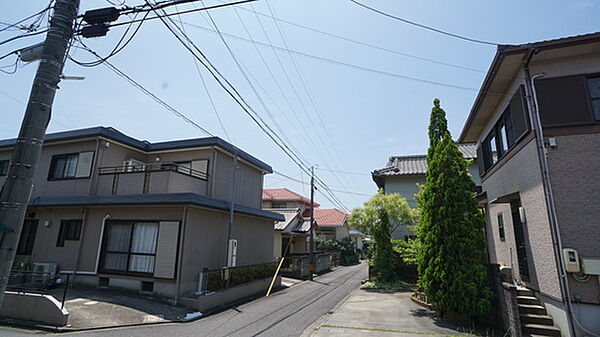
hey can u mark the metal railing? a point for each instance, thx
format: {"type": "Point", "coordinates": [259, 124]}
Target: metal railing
{"type": "Point", "coordinates": [30, 282]}
{"type": "Point", "coordinates": [296, 266]}
{"type": "Point", "coordinates": [152, 167]}
{"type": "Point", "coordinates": [220, 279]}
{"type": "Point", "coordinates": [23, 281]}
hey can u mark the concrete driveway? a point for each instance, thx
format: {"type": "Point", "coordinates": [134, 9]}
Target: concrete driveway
{"type": "Point", "coordinates": [376, 313]}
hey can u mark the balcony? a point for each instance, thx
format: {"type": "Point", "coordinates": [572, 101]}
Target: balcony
{"type": "Point", "coordinates": [166, 177]}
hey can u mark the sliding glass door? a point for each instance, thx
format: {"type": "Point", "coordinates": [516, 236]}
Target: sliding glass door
{"type": "Point", "coordinates": [129, 247]}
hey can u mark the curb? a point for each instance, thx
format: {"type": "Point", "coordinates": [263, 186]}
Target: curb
{"type": "Point", "coordinates": [46, 328]}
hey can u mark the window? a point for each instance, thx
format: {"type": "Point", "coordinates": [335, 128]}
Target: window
{"type": "Point", "coordinates": [71, 166]}
{"type": "Point", "coordinates": [501, 227]}
{"type": "Point", "coordinates": [130, 247]}
{"type": "Point", "coordinates": [279, 204]}
{"type": "Point", "coordinates": [69, 230]}
{"type": "Point", "coordinates": [594, 90]}
{"type": "Point", "coordinates": [27, 238]}
{"type": "Point", "coordinates": [4, 167]}
{"type": "Point", "coordinates": [511, 126]}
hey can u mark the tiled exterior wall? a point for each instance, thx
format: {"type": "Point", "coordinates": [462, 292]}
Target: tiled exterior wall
{"type": "Point", "coordinates": [522, 174]}
{"type": "Point", "coordinates": [574, 166]}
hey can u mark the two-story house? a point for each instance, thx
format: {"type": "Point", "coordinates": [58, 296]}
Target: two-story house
{"type": "Point", "coordinates": [404, 174]}
{"type": "Point", "coordinates": [292, 236]}
{"type": "Point", "coordinates": [536, 121]}
{"type": "Point", "coordinates": [118, 212]}
{"type": "Point", "coordinates": [333, 223]}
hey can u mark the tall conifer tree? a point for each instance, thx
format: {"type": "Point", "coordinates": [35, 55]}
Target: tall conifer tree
{"type": "Point", "coordinates": [451, 255]}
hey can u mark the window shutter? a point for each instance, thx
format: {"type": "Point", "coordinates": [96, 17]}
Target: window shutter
{"type": "Point", "coordinates": [518, 110]}
{"type": "Point", "coordinates": [84, 164]}
{"type": "Point", "coordinates": [166, 250]}
{"type": "Point", "coordinates": [480, 160]}
{"type": "Point", "coordinates": [563, 101]}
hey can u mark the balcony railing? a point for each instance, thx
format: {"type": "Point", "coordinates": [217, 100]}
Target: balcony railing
{"type": "Point", "coordinates": [166, 177]}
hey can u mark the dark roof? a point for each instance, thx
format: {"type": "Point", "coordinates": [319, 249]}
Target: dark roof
{"type": "Point", "coordinates": [514, 55]}
{"type": "Point", "coordinates": [153, 199]}
{"type": "Point", "coordinates": [415, 164]}
{"type": "Point", "coordinates": [117, 136]}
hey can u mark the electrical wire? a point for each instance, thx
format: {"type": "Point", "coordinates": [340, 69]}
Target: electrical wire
{"type": "Point", "coordinates": [40, 14]}
{"type": "Point", "coordinates": [232, 92]}
{"type": "Point", "coordinates": [424, 26]}
{"type": "Point", "coordinates": [312, 101]}
{"type": "Point", "coordinates": [365, 44]}
{"type": "Point", "coordinates": [182, 12]}
{"type": "Point", "coordinates": [147, 92]}
{"type": "Point", "coordinates": [23, 36]}
{"type": "Point", "coordinates": [212, 103]}
{"type": "Point", "coordinates": [118, 47]}
{"type": "Point", "coordinates": [342, 63]}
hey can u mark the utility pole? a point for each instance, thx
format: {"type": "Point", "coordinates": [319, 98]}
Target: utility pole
{"type": "Point", "coordinates": [311, 265]}
{"type": "Point", "coordinates": [28, 147]}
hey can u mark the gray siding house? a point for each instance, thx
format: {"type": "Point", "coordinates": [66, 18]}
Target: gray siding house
{"type": "Point", "coordinates": [540, 185]}
{"type": "Point", "coordinates": [118, 212]}
{"type": "Point", "coordinates": [404, 174]}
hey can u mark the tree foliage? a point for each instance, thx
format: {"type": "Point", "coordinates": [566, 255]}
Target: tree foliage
{"type": "Point", "coordinates": [451, 252]}
{"type": "Point", "coordinates": [378, 218]}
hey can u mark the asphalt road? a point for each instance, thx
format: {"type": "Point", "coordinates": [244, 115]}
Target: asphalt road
{"type": "Point", "coordinates": [285, 313]}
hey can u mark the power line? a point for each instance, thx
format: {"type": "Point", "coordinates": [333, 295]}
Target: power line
{"type": "Point", "coordinates": [365, 44]}
{"type": "Point", "coordinates": [348, 172]}
{"type": "Point", "coordinates": [425, 26]}
{"type": "Point", "coordinates": [287, 177]}
{"type": "Point", "coordinates": [341, 63]}
{"type": "Point", "coordinates": [183, 12]}
{"type": "Point", "coordinates": [147, 92]}
{"type": "Point", "coordinates": [308, 93]}
{"type": "Point", "coordinates": [41, 14]}
{"type": "Point", "coordinates": [22, 36]}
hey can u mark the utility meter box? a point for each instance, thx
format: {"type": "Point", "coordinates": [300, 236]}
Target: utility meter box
{"type": "Point", "coordinates": [571, 260]}
{"type": "Point", "coordinates": [232, 253]}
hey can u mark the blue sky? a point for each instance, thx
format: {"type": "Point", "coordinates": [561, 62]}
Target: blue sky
{"type": "Point", "coordinates": [365, 116]}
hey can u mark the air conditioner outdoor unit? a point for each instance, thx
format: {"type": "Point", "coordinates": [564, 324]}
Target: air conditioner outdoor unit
{"type": "Point", "coordinates": [46, 268]}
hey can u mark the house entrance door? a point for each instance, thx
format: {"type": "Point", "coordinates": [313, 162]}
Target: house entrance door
{"type": "Point", "coordinates": [519, 229]}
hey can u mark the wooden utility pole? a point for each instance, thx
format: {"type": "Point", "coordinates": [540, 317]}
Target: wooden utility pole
{"type": "Point", "coordinates": [311, 266]}
{"type": "Point", "coordinates": [28, 147]}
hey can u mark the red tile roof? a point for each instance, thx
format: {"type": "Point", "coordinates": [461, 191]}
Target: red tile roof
{"type": "Point", "coordinates": [284, 194]}
{"type": "Point", "coordinates": [330, 217]}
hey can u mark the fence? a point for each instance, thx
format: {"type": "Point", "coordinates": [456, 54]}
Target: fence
{"type": "Point", "coordinates": [35, 282]}
{"type": "Point", "coordinates": [296, 266]}
{"type": "Point", "coordinates": [220, 279]}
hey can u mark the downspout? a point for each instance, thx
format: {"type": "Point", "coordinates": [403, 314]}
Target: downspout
{"type": "Point", "coordinates": [180, 256]}
{"type": "Point", "coordinates": [231, 206]}
{"type": "Point", "coordinates": [81, 236]}
{"type": "Point", "coordinates": [534, 117]}
{"type": "Point", "coordinates": [93, 180]}
{"type": "Point", "coordinates": [106, 217]}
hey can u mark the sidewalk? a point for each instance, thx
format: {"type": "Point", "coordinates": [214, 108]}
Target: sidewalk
{"type": "Point", "coordinates": [376, 313]}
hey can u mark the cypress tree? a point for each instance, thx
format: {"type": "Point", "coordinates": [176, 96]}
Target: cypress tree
{"type": "Point", "coordinates": [451, 255]}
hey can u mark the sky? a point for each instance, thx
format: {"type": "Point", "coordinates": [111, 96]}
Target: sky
{"type": "Point", "coordinates": [342, 106]}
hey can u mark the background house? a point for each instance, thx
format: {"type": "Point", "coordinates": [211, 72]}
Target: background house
{"type": "Point", "coordinates": [118, 212]}
{"type": "Point", "coordinates": [558, 81]}
{"type": "Point", "coordinates": [333, 224]}
{"type": "Point", "coordinates": [294, 231]}
{"type": "Point", "coordinates": [403, 174]}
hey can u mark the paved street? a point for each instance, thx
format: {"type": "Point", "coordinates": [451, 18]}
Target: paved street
{"type": "Point", "coordinates": [373, 313]}
{"type": "Point", "coordinates": [286, 313]}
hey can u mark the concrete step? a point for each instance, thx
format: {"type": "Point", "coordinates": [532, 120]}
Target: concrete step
{"type": "Point", "coordinates": [536, 319]}
{"type": "Point", "coordinates": [524, 292]}
{"type": "Point", "coordinates": [535, 309]}
{"type": "Point", "coordinates": [542, 330]}
{"type": "Point", "coordinates": [528, 300]}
